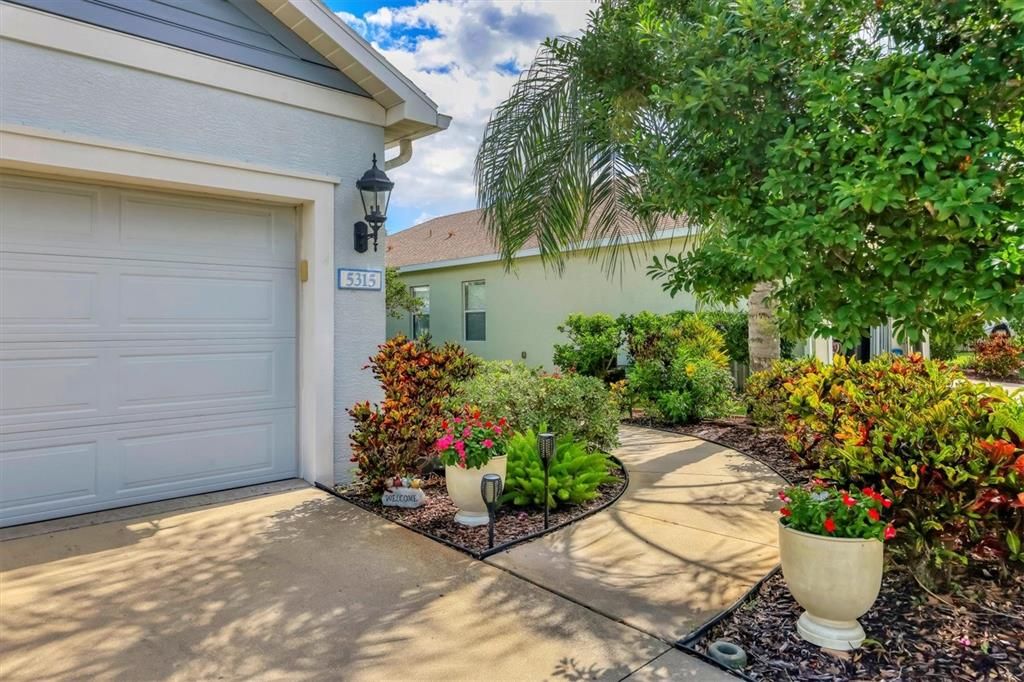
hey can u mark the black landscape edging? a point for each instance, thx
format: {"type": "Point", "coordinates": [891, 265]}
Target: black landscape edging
{"type": "Point", "coordinates": [483, 554]}
{"type": "Point", "coordinates": [685, 644]}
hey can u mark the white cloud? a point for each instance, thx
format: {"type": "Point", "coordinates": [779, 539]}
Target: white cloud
{"type": "Point", "coordinates": [452, 50]}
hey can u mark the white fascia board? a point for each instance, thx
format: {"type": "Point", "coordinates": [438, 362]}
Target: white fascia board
{"type": "Point", "coordinates": [535, 251]}
{"type": "Point", "coordinates": [405, 103]}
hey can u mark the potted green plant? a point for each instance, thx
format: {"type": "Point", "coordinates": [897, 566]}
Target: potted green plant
{"type": "Point", "coordinates": [471, 446]}
{"type": "Point", "coordinates": [831, 546]}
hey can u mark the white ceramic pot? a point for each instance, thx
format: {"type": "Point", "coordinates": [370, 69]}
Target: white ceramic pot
{"type": "Point", "coordinates": [464, 489]}
{"type": "Point", "coordinates": [836, 580]}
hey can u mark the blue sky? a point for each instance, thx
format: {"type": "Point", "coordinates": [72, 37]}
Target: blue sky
{"type": "Point", "coordinates": [466, 55]}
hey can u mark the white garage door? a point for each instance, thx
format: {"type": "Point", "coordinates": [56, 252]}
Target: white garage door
{"type": "Point", "coordinates": [147, 346]}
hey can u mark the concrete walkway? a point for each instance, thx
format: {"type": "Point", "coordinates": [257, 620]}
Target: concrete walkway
{"type": "Point", "coordinates": [694, 531]}
{"type": "Point", "coordinates": [298, 585]}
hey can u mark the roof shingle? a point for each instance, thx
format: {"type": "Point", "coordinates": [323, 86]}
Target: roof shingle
{"type": "Point", "coordinates": [461, 235]}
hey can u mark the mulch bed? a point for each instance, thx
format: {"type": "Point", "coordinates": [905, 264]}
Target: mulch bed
{"type": "Point", "coordinates": [1017, 381]}
{"type": "Point", "coordinates": [436, 518]}
{"type": "Point", "coordinates": [975, 634]}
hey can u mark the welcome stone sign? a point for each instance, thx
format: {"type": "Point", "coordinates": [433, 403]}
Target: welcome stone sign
{"type": "Point", "coordinates": [404, 497]}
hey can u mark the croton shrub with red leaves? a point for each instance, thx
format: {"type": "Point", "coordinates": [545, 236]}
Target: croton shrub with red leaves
{"type": "Point", "coordinates": [821, 509]}
{"type": "Point", "coordinates": [397, 436]}
{"type": "Point", "coordinates": [949, 453]}
{"type": "Point", "coordinates": [999, 358]}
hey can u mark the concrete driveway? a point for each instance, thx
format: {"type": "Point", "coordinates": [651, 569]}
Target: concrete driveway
{"type": "Point", "coordinates": [293, 585]}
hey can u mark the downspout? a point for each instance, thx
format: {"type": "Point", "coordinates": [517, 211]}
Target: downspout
{"type": "Point", "coordinates": [404, 155]}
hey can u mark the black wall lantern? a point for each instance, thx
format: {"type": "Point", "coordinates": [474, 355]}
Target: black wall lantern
{"type": "Point", "coordinates": [375, 191]}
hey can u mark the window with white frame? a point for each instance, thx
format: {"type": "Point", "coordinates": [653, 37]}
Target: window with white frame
{"type": "Point", "coordinates": [421, 320]}
{"type": "Point", "coordinates": [474, 310]}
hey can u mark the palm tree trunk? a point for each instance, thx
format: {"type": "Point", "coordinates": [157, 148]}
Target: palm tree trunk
{"type": "Point", "coordinates": [762, 330]}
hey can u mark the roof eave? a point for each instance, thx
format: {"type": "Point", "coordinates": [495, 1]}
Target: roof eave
{"type": "Point", "coordinates": [409, 112]}
{"type": "Point", "coordinates": [661, 235]}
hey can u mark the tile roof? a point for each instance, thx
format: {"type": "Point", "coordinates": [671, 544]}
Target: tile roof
{"type": "Point", "coordinates": [460, 235]}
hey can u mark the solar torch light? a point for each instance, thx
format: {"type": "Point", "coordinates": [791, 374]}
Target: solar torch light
{"type": "Point", "coordinates": [546, 448]}
{"type": "Point", "coordinates": [490, 490]}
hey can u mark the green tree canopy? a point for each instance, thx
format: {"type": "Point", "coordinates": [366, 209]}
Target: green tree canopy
{"type": "Point", "coordinates": [866, 156]}
{"type": "Point", "coordinates": [398, 298]}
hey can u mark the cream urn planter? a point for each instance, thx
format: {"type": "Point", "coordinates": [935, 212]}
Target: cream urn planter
{"type": "Point", "coordinates": [464, 489]}
{"type": "Point", "coordinates": [836, 580]}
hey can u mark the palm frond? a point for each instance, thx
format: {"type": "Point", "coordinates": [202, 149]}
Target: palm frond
{"type": "Point", "coordinates": [547, 171]}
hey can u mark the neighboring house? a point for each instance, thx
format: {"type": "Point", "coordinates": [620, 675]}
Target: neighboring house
{"type": "Point", "coordinates": [177, 191]}
{"type": "Point", "coordinates": [452, 265]}
{"type": "Point", "coordinates": [880, 340]}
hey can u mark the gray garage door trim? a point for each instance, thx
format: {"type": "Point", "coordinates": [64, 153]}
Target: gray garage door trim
{"type": "Point", "coordinates": [147, 346]}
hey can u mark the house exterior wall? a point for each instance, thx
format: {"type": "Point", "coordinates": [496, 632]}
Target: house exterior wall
{"type": "Point", "coordinates": [71, 94]}
{"type": "Point", "coordinates": [525, 307]}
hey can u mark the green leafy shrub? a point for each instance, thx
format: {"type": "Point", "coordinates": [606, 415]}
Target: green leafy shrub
{"type": "Point", "coordinates": [398, 435]}
{"type": "Point", "coordinates": [733, 328]}
{"type": "Point", "coordinates": [570, 404]}
{"type": "Point", "coordinates": [574, 474]}
{"type": "Point", "coordinates": [766, 395]}
{"type": "Point", "coordinates": [954, 334]}
{"type": "Point", "coordinates": [679, 374]}
{"type": "Point", "coordinates": [821, 509]}
{"type": "Point", "coordinates": [947, 451]}
{"type": "Point", "coordinates": [998, 358]}
{"type": "Point", "coordinates": [593, 347]}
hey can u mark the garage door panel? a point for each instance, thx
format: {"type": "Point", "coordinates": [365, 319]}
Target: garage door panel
{"type": "Point", "coordinates": [38, 388]}
{"type": "Point", "coordinates": [106, 466]}
{"type": "Point", "coordinates": [41, 297]}
{"type": "Point", "coordinates": [73, 475]}
{"type": "Point", "coordinates": [239, 232]}
{"type": "Point", "coordinates": [37, 212]}
{"type": "Point", "coordinates": [173, 455]}
{"type": "Point", "coordinates": [50, 217]}
{"type": "Point", "coordinates": [54, 298]}
{"type": "Point", "coordinates": [193, 298]}
{"type": "Point", "coordinates": [46, 386]}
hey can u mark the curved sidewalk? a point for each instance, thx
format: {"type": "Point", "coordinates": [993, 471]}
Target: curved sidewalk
{"type": "Point", "coordinates": [694, 531]}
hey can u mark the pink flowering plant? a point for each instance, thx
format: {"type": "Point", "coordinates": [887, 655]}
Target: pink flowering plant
{"type": "Point", "coordinates": [820, 509]}
{"type": "Point", "coordinates": [470, 440]}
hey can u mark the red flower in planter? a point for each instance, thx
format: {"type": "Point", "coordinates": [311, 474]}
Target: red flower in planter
{"type": "Point", "coordinates": [875, 516]}
{"type": "Point", "coordinates": [785, 511]}
{"type": "Point", "coordinates": [830, 525]}
{"type": "Point", "coordinates": [890, 532]}
{"type": "Point", "coordinates": [849, 501]}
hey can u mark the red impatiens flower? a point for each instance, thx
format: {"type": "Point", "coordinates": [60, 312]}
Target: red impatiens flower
{"type": "Point", "coordinates": [875, 516]}
{"type": "Point", "coordinates": [783, 496]}
{"type": "Point", "coordinates": [848, 501]}
{"type": "Point", "coordinates": [785, 511]}
{"type": "Point", "coordinates": [890, 532]}
{"type": "Point", "coordinates": [830, 525]}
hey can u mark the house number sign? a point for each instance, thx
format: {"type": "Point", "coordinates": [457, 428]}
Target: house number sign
{"type": "Point", "coordinates": [368, 280]}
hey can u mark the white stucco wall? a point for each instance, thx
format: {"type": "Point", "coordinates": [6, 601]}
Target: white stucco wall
{"type": "Point", "coordinates": [72, 94]}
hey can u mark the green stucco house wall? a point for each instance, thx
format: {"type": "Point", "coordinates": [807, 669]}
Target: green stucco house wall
{"type": "Point", "coordinates": [522, 308]}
